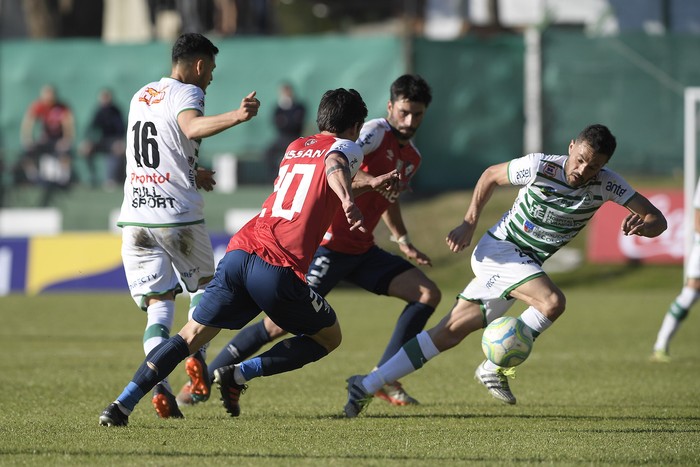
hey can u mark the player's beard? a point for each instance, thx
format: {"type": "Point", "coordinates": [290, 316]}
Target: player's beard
{"type": "Point", "coordinates": [406, 132]}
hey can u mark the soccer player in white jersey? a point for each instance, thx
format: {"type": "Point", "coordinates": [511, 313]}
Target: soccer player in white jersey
{"type": "Point", "coordinates": [690, 293]}
{"type": "Point", "coordinates": [164, 239]}
{"type": "Point", "coordinates": [559, 195]}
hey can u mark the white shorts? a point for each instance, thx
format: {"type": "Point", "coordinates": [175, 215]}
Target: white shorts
{"type": "Point", "coordinates": [499, 266]}
{"type": "Point", "coordinates": [157, 259]}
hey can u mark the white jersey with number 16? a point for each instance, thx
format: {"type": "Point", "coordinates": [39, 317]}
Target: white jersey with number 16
{"type": "Point", "coordinates": [160, 188]}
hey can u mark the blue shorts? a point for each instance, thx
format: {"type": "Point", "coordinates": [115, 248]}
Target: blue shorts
{"type": "Point", "coordinates": [244, 285]}
{"type": "Point", "coordinates": [373, 270]}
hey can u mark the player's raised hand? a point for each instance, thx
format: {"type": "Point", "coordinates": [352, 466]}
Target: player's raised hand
{"type": "Point", "coordinates": [386, 182]}
{"type": "Point", "coordinates": [460, 237]}
{"type": "Point", "coordinates": [249, 107]}
{"type": "Point", "coordinates": [633, 224]}
{"type": "Point", "coordinates": [204, 178]}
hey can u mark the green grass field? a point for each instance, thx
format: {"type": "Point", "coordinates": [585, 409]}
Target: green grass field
{"type": "Point", "coordinates": [586, 396]}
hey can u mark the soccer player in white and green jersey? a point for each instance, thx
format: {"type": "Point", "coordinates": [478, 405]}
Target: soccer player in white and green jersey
{"type": "Point", "coordinates": [559, 195]}
{"type": "Point", "coordinates": [164, 240]}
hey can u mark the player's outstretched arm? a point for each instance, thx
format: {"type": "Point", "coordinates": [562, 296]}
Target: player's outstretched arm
{"type": "Point", "coordinates": [338, 176]}
{"type": "Point", "coordinates": [461, 236]}
{"type": "Point", "coordinates": [644, 219]}
{"type": "Point", "coordinates": [364, 182]}
{"type": "Point", "coordinates": [197, 126]}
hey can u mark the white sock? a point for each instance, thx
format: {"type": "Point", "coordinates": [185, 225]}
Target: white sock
{"type": "Point", "coordinates": [161, 315]}
{"type": "Point", "coordinates": [669, 326]}
{"type": "Point", "coordinates": [687, 297]}
{"type": "Point", "coordinates": [535, 320]}
{"type": "Point", "coordinates": [674, 316]}
{"type": "Point", "coordinates": [238, 375]}
{"type": "Point", "coordinates": [195, 297]}
{"type": "Point", "coordinates": [408, 359]}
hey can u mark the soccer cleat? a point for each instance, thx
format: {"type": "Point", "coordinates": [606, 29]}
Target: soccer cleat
{"type": "Point", "coordinates": [112, 416]}
{"type": "Point", "coordinates": [230, 390]}
{"type": "Point", "coordinates": [198, 388]}
{"type": "Point", "coordinates": [184, 397]}
{"type": "Point", "coordinates": [660, 356]}
{"type": "Point", "coordinates": [395, 394]}
{"type": "Point", "coordinates": [496, 382]}
{"type": "Point", "coordinates": [164, 402]}
{"type": "Point", "coordinates": [358, 397]}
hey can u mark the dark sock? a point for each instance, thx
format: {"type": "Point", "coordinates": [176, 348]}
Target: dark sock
{"type": "Point", "coordinates": [411, 322]}
{"type": "Point", "coordinates": [244, 344]}
{"type": "Point", "coordinates": [159, 363]}
{"type": "Point", "coordinates": [284, 356]}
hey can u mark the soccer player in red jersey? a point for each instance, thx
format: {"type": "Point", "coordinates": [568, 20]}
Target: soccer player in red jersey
{"type": "Point", "coordinates": [266, 262]}
{"type": "Point", "coordinates": [352, 255]}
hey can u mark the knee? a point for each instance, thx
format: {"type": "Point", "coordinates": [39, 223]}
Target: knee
{"type": "Point", "coordinates": [554, 305]}
{"type": "Point", "coordinates": [330, 337]}
{"type": "Point", "coordinates": [273, 331]}
{"type": "Point", "coordinates": [430, 294]}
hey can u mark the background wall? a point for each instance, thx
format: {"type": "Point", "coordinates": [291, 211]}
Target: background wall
{"type": "Point", "coordinates": [633, 83]}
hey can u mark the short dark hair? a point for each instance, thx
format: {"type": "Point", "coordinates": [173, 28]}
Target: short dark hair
{"type": "Point", "coordinates": [411, 87]}
{"type": "Point", "coordinates": [340, 109]}
{"type": "Point", "coordinates": [192, 45]}
{"type": "Point", "coordinates": [599, 138]}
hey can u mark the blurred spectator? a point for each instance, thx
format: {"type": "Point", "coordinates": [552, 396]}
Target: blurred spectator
{"type": "Point", "coordinates": [225, 17]}
{"type": "Point", "coordinates": [105, 136]}
{"type": "Point", "coordinates": [46, 159]}
{"type": "Point", "coordinates": [289, 122]}
{"type": "Point", "coordinates": [61, 18]}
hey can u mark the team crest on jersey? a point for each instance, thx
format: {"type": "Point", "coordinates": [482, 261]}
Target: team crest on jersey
{"type": "Point", "coordinates": [390, 154]}
{"type": "Point", "coordinates": [550, 169]}
{"type": "Point", "coordinates": [409, 169]}
{"type": "Point", "coordinates": [587, 199]}
{"type": "Point", "coordinates": [310, 142]}
{"type": "Point", "coordinates": [152, 96]}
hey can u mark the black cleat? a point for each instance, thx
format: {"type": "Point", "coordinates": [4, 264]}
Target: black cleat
{"type": "Point", "coordinates": [112, 416]}
{"type": "Point", "coordinates": [230, 390]}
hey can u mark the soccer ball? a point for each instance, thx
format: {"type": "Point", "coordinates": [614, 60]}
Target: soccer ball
{"type": "Point", "coordinates": [507, 341]}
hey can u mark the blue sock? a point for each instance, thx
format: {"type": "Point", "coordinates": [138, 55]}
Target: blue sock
{"type": "Point", "coordinates": [411, 322]}
{"type": "Point", "coordinates": [244, 344]}
{"type": "Point", "coordinates": [284, 356]}
{"type": "Point", "coordinates": [159, 363]}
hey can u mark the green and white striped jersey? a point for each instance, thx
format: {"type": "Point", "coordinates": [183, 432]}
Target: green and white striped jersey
{"type": "Point", "coordinates": [548, 212]}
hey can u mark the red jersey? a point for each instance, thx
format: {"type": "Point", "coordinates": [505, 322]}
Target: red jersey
{"type": "Point", "coordinates": [383, 153]}
{"type": "Point", "coordinates": [295, 216]}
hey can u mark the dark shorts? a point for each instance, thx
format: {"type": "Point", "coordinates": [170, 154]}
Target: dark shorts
{"type": "Point", "coordinates": [244, 285]}
{"type": "Point", "coordinates": [373, 270]}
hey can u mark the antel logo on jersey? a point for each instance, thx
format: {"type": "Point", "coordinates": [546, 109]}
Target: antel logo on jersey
{"type": "Point", "coordinates": [152, 96]}
{"type": "Point", "coordinates": [149, 179]}
{"type": "Point", "coordinates": [615, 188]}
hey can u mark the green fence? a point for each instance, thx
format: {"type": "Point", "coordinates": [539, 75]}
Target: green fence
{"type": "Point", "coordinates": [632, 83]}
